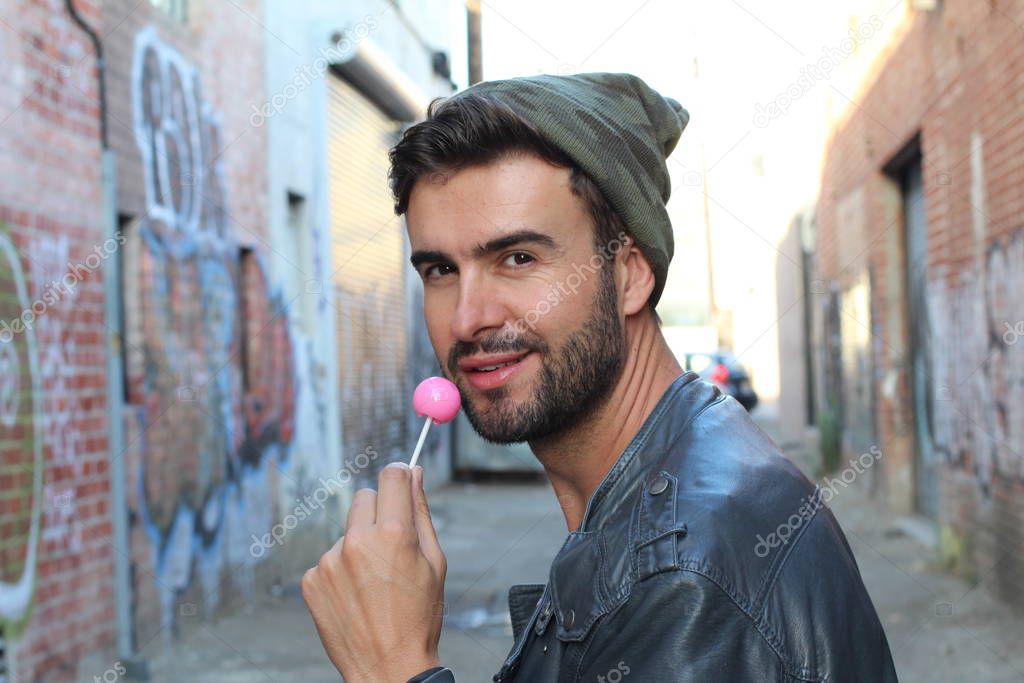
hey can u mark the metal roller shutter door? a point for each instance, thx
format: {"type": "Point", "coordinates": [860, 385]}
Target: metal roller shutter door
{"type": "Point", "coordinates": [367, 257]}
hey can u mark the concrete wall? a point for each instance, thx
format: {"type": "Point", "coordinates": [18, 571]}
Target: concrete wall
{"type": "Point", "coordinates": [791, 330]}
{"type": "Point", "coordinates": [295, 117]}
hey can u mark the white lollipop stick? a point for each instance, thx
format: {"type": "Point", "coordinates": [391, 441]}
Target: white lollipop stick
{"type": "Point", "coordinates": [419, 444]}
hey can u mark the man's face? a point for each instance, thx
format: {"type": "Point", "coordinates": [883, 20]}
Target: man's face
{"type": "Point", "coordinates": [522, 311]}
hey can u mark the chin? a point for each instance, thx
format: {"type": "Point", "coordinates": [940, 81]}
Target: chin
{"type": "Point", "coordinates": [490, 419]}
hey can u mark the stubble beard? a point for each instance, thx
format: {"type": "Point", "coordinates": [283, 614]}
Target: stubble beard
{"type": "Point", "coordinates": [570, 385]}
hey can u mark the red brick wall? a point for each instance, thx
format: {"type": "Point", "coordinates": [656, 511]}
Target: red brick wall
{"type": "Point", "coordinates": [210, 394]}
{"type": "Point", "coordinates": [209, 362]}
{"type": "Point", "coordinates": [52, 400]}
{"type": "Point", "coordinates": [956, 77]}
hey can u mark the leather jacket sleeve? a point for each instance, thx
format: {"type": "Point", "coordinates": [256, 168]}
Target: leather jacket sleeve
{"type": "Point", "coordinates": [814, 622]}
{"type": "Point", "coordinates": [439, 674]}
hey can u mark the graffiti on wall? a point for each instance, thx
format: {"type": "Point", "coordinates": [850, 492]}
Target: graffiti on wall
{"type": "Point", "coordinates": [178, 136]}
{"type": "Point", "coordinates": [63, 405]}
{"type": "Point", "coordinates": [21, 446]}
{"type": "Point", "coordinates": [977, 362]}
{"type": "Point", "coordinates": [210, 359]}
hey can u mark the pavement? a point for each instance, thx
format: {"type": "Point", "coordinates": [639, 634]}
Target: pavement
{"type": "Point", "coordinates": [940, 629]}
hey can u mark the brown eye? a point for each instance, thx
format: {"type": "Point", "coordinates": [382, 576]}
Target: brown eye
{"type": "Point", "coordinates": [519, 258]}
{"type": "Point", "coordinates": [438, 270]}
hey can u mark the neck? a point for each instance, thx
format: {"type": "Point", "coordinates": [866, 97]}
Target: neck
{"type": "Point", "coordinates": [577, 459]}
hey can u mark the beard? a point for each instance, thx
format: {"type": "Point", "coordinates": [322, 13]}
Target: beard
{"type": "Point", "coordinates": [572, 382]}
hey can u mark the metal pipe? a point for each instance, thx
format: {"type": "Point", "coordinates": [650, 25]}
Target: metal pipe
{"type": "Point", "coordinates": [135, 665]}
{"type": "Point", "coordinates": [100, 67]}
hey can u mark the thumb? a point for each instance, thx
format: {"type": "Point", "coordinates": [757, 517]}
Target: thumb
{"type": "Point", "coordinates": [425, 525]}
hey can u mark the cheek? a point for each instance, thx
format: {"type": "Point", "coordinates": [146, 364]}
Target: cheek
{"type": "Point", "coordinates": [437, 316]}
{"type": "Point", "coordinates": [557, 309]}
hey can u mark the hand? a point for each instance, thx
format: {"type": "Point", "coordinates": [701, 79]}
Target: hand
{"type": "Point", "coordinates": [377, 596]}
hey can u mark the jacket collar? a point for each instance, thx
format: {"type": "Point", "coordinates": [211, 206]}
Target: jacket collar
{"type": "Point", "coordinates": [635, 460]}
{"type": "Point", "coordinates": [570, 594]}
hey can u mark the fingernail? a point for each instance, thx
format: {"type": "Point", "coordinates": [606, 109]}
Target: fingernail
{"type": "Point", "coordinates": [399, 463]}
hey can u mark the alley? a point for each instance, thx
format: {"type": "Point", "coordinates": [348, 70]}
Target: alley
{"type": "Point", "coordinates": [940, 629]}
{"type": "Point", "coordinates": [237, 236]}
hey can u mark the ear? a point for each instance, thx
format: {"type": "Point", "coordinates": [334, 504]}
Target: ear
{"type": "Point", "coordinates": [637, 276]}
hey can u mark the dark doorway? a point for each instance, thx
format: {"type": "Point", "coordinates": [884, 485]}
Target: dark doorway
{"type": "Point", "coordinates": [915, 235]}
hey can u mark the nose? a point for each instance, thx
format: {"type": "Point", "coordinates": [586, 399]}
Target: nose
{"type": "Point", "coordinates": [479, 309]}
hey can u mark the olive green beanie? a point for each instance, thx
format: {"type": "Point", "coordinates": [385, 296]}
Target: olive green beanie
{"type": "Point", "coordinates": [619, 131]}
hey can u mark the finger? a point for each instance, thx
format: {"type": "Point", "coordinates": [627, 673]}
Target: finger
{"type": "Point", "coordinates": [425, 523]}
{"type": "Point", "coordinates": [363, 511]}
{"type": "Point", "coordinates": [394, 496]}
{"type": "Point", "coordinates": [336, 548]}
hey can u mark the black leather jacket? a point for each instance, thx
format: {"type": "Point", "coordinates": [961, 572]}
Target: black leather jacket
{"type": "Point", "coordinates": [667, 578]}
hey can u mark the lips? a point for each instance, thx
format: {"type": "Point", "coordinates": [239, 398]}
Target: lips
{"type": "Point", "coordinates": [491, 371]}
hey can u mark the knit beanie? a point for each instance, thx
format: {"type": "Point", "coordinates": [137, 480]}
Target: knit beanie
{"type": "Point", "coordinates": [619, 131]}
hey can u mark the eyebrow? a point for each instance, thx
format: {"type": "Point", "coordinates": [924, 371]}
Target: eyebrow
{"type": "Point", "coordinates": [421, 256]}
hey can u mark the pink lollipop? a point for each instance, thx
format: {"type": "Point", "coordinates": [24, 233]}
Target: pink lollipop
{"type": "Point", "coordinates": [438, 400]}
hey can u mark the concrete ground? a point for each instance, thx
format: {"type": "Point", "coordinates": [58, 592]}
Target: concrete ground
{"type": "Point", "coordinates": [940, 629]}
{"type": "Point", "coordinates": [494, 535]}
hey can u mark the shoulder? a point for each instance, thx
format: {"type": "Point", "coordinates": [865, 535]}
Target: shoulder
{"type": "Point", "coordinates": [724, 485]}
{"type": "Point", "coordinates": [759, 534]}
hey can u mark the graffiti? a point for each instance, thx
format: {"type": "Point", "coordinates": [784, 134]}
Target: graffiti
{"type": "Point", "coordinates": [63, 408]}
{"type": "Point", "coordinates": [977, 388]}
{"type": "Point", "coordinates": [21, 448]}
{"type": "Point", "coordinates": [177, 133]}
{"type": "Point", "coordinates": [270, 394]}
{"type": "Point", "coordinates": [210, 362]}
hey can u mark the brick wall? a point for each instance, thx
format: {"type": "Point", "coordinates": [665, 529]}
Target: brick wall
{"type": "Point", "coordinates": [210, 371]}
{"type": "Point", "coordinates": [55, 561]}
{"type": "Point", "coordinates": [208, 355]}
{"type": "Point", "coordinates": [213, 395]}
{"type": "Point", "coordinates": [955, 77]}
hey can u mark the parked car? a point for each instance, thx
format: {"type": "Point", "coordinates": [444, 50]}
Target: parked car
{"type": "Point", "coordinates": [722, 368]}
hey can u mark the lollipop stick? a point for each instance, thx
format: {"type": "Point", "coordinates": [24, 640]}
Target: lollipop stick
{"type": "Point", "coordinates": [419, 444]}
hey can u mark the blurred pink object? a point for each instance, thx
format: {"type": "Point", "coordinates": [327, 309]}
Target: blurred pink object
{"type": "Point", "coordinates": [437, 398]}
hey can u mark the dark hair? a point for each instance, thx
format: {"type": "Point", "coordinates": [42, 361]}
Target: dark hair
{"type": "Point", "coordinates": [471, 130]}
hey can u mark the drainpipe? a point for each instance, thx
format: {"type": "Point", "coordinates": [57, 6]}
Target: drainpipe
{"type": "Point", "coordinates": [134, 664]}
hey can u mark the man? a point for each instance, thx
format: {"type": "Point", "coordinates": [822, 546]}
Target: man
{"type": "Point", "coordinates": [536, 214]}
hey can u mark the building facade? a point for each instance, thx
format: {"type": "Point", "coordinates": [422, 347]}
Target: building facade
{"type": "Point", "coordinates": [916, 282]}
{"type": "Point", "coordinates": [56, 596]}
{"type": "Point", "coordinates": [263, 328]}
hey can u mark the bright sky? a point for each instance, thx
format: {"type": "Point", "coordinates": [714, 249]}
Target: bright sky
{"type": "Point", "coordinates": [759, 173]}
